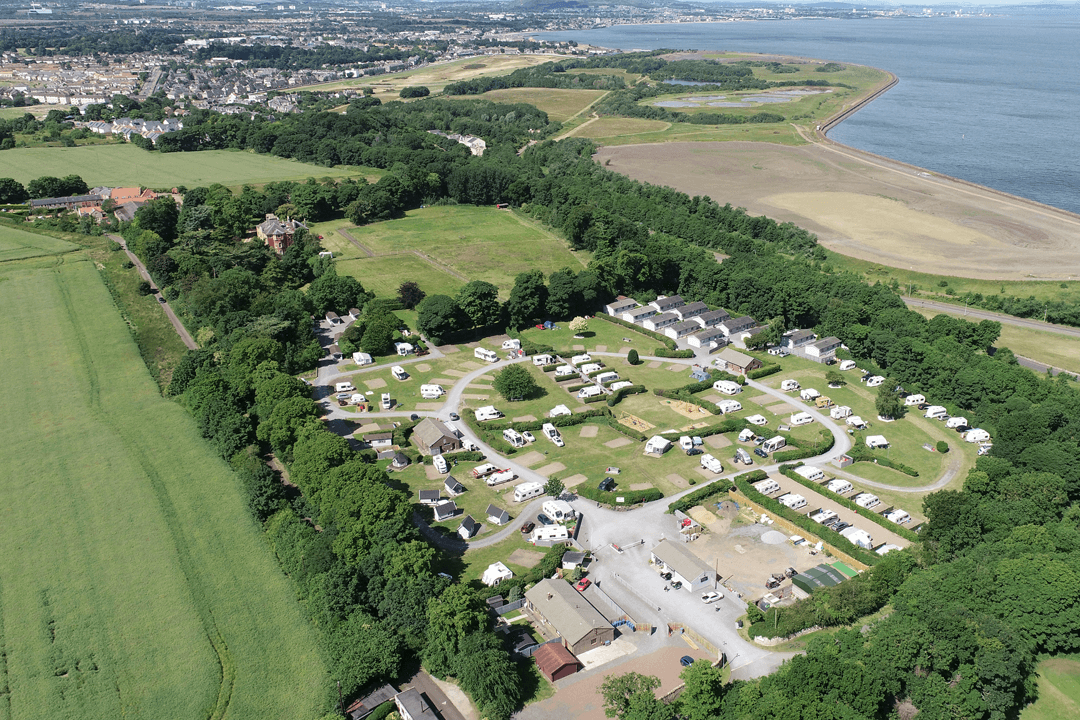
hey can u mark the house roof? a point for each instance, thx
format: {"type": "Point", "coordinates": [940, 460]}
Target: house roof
{"type": "Point", "coordinates": [678, 558]}
{"type": "Point", "coordinates": [497, 512]}
{"type": "Point", "coordinates": [829, 342]}
{"type": "Point", "coordinates": [452, 485]}
{"type": "Point", "coordinates": [430, 431]}
{"type": "Point", "coordinates": [551, 657]}
{"type": "Point", "coordinates": [573, 558]}
{"type": "Point", "coordinates": [684, 326]}
{"type": "Point", "coordinates": [364, 706]}
{"type": "Point", "coordinates": [664, 317]}
{"type": "Point", "coordinates": [694, 307]}
{"type": "Point", "coordinates": [669, 302]}
{"type": "Point", "coordinates": [714, 316]}
{"type": "Point", "coordinates": [275, 226]}
{"type": "Point", "coordinates": [446, 508]}
{"type": "Point", "coordinates": [566, 609]}
{"type": "Point", "coordinates": [739, 322]}
{"type": "Point", "coordinates": [801, 335]}
{"type": "Point", "coordinates": [430, 495]}
{"type": "Point", "coordinates": [734, 357]}
{"type": "Point", "coordinates": [401, 459]}
{"type": "Point", "coordinates": [334, 349]}
{"type": "Point", "coordinates": [414, 704]}
{"type": "Point", "coordinates": [53, 202]}
{"type": "Point", "coordinates": [378, 436]}
{"type": "Point", "coordinates": [469, 524]}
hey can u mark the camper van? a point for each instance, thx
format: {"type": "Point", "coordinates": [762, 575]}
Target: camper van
{"type": "Point", "coordinates": [488, 412]}
{"type": "Point", "coordinates": [789, 385]}
{"type": "Point", "coordinates": [512, 344]}
{"type": "Point", "coordinates": [440, 464]}
{"type": "Point", "coordinates": [767, 487]}
{"type": "Point", "coordinates": [793, 501]}
{"type": "Point", "coordinates": [914, 400]}
{"type": "Point", "coordinates": [811, 473]}
{"type": "Point", "coordinates": [742, 456]}
{"type": "Point", "coordinates": [552, 434]}
{"type": "Point", "coordinates": [727, 387]}
{"type": "Point", "coordinates": [802, 418]}
{"type": "Point", "coordinates": [874, 380]}
{"type": "Point", "coordinates": [847, 364]}
{"type": "Point", "coordinates": [606, 377]}
{"type": "Point", "coordinates": [774, 443]}
{"type": "Point", "coordinates": [548, 533]}
{"type": "Point", "coordinates": [513, 437]}
{"type": "Point", "coordinates": [541, 360]}
{"type": "Point", "coordinates": [501, 476]}
{"type": "Point", "coordinates": [581, 359]}
{"type": "Point", "coordinates": [956, 422]}
{"type": "Point", "coordinates": [589, 392]}
{"type": "Point", "coordinates": [564, 370]}
{"type": "Point", "coordinates": [430, 392]}
{"type": "Point", "coordinates": [590, 368]}
{"type": "Point", "coordinates": [386, 403]}
{"type": "Point", "coordinates": [839, 486]}
{"type": "Point", "coordinates": [729, 406]}
{"type": "Point", "coordinates": [866, 500]}
{"type": "Point", "coordinates": [485, 355]}
{"type": "Point", "coordinates": [839, 412]}
{"type": "Point", "coordinates": [558, 510]}
{"type": "Point", "coordinates": [527, 491]}
{"type": "Point", "coordinates": [344, 387]}
{"type": "Point", "coordinates": [809, 394]}
{"type": "Point", "coordinates": [936, 412]}
{"type": "Point", "coordinates": [711, 464]}
{"type": "Point", "coordinates": [483, 470]}
{"type": "Point", "coordinates": [399, 372]}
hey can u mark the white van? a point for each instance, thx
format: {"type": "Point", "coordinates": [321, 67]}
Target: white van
{"type": "Point", "coordinates": [399, 372]}
{"type": "Point", "coordinates": [500, 477]}
{"type": "Point", "coordinates": [344, 387]}
{"type": "Point", "coordinates": [386, 403]}
{"type": "Point", "coordinates": [589, 392]}
{"type": "Point", "coordinates": [527, 491]}
{"type": "Point", "coordinates": [789, 385]}
{"type": "Point", "coordinates": [729, 406]}
{"type": "Point", "coordinates": [802, 418]}
{"type": "Point", "coordinates": [590, 368]}
{"type": "Point", "coordinates": [513, 437]}
{"type": "Point", "coordinates": [430, 392]}
{"type": "Point", "coordinates": [512, 344]}
{"type": "Point", "coordinates": [440, 464]}
{"type": "Point", "coordinates": [774, 443]}
{"type": "Point", "coordinates": [847, 364]}
{"type": "Point", "coordinates": [540, 360]}
{"type": "Point", "coordinates": [711, 464]}
{"type": "Point", "coordinates": [607, 377]}
{"type": "Point", "coordinates": [488, 412]}
{"type": "Point", "coordinates": [485, 355]}
{"type": "Point", "coordinates": [552, 434]}
{"type": "Point", "coordinates": [579, 359]}
{"type": "Point", "coordinates": [809, 394]}
{"type": "Point", "coordinates": [564, 370]}
{"type": "Point", "coordinates": [558, 510]}
{"type": "Point", "coordinates": [727, 387]}
{"type": "Point", "coordinates": [550, 533]}
{"type": "Point", "coordinates": [936, 412]}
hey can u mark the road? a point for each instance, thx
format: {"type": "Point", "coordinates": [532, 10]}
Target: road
{"type": "Point", "coordinates": [185, 336]}
{"type": "Point", "coordinates": [980, 314]}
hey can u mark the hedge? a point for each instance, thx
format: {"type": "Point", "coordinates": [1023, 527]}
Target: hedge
{"type": "Point", "coordinates": [801, 451]}
{"type": "Point", "coordinates": [860, 453]}
{"type": "Point", "coordinates": [460, 456]}
{"type": "Point", "coordinates": [698, 497]}
{"type": "Point", "coordinates": [616, 397]}
{"type": "Point", "coordinates": [789, 471]}
{"type": "Point", "coordinates": [632, 497]}
{"type": "Point", "coordinates": [561, 421]}
{"type": "Point", "coordinates": [599, 398]}
{"type": "Point", "coordinates": [566, 378]}
{"type": "Point", "coordinates": [546, 568]}
{"type": "Point", "coordinates": [831, 536]}
{"type": "Point", "coordinates": [668, 342]}
{"type": "Point", "coordinates": [594, 373]}
{"type": "Point", "coordinates": [579, 386]}
{"type": "Point", "coordinates": [551, 368]}
{"type": "Point", "coordinates": [763, 371]}
{"type": "Point", "coordinates": [703, 385]}
{"type": "Point", "coordinates": [627, 431]}
{"type": "Point", "coordinates": [661, 352]}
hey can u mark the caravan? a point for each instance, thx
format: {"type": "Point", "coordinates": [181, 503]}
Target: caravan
{"type": "Point", "coordinates": [793, 501]}
{"type": "Point", "coordinates": [548, 533]}
{"type": "Point", "coordinates": [876, 442]}
{"type": "Point", "coordinates": [485, 355]}
{"type": "Point", "coordinates": [591, 368]}
{"type": "Point", "coordinates": [488, 412]}
{"type": "Point", "coordinates": [589, 392]}
{"type": "Point", "coordinates": [552, 434]}
{"type": "Point", "coordinates": [866, 500]}
{"type": "Point", "coordinates": [811, 473]}
{"type": "Point", "coordinates": [581, 359]}
{"type": "Point", "coordinates": [874, 381]}
{"type": "Point", "coordinates": [774, 443]}
{"type": "Point", "coordinates": [386, 403]}
{"type": "Point", "coordinates": [976, 435]}
{"type": "Point", "coordinates": [711, 464]}
{"type": "Point", "coordinates": [936, 412]}
{"type": "Point", "coordinates": [847, 364]}
{"type": "Point", "coordinates": [512, 344]}
{"type": "Point", "coordinates": [513, 437]}
{"type": "Point", "coordinates": [729, 406]}
{"type": "Point", "coordinates": [344, 387]}
{"type": "Point", "coordinates": [767, 487]}
{"type": "Point", "coordinates": [898, 516]}
{"type": "Point", "coordinates": [430, 392]}
{"type": "Point", "coordinates": [789, 385]}
{"type": "Point", "coordinates": [399, 373]}
{"type": "Point", "coordinates": [802, 418]}
{"type": "Point", "coordinates": [440, 464]}
{"type": "Point", "coordinates": [542, 360]}
{"type": "Point", "coordinates": [839, 412]}
{"type": "Point", "coordinates": [528, 491]}
{"type": "Point", "coordinates": [558, 510]}
{"type": "Point", "coordinates": [914, 400]}
{"type": "Point", "coordinates": [809, 394]}
{"type": "Point", "coordinates": [839, 486]}
{"type": "Point", "coordinates": [606, 377]}
{"type": "Point", "coordinates": [727, 387]}
{"type": "Point", "coordinates": [565, 370]}
{"type": "Point", "coordinates": [956, 423]}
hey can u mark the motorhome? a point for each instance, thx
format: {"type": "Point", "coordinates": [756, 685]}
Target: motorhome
{"type": "Point", "coordinates": [558, 510]}
{"type": "Point", "coordinates": [774, 443]}
{"type": "Point", "coordinates": [399, 373]}
{"type": "Point", "coordinates": [802, 418]}
{"type": "Point", "coordinates": [729, 406]}
{"type": "Point", "coordinates": [581, 359]}
{"type": "Point", "coordinates": [956, 422]}
{"type": "Point", "coordinates": [344, 387]}
{"type": "Point", "coordinates": [564, 370]}
{"type": "Point", "coordinates": [744, 457]}
{"type": "Point", "coordinates": [440, 464]}
{"type": "Point", "coordinates": [527, 491]}
{"type": "Point", "coordinates": [914, 400]}
{"type": "Point", "coordinates": [789, 385]}
{"type": "Point", "coordinates": [513, 437]}
{"type": "Point", "coordinates": [847, 364]}
{"type": "Point", "coordinates": [485, 355]}
{"type": "Point", "coordinates": [607, 377]}
{"type": "Point", "coordinates": [590, 368]}
{"type": "Point", "coordinates": [809, 394]}
{"type": "Point", "coordinates": [757, 420]}
{"type": "Point", "coordinates": [552, 434]}
{"type": "Point", "coordinates": [874, 380]}
{"type": "Point", "coordinates": [483, 470]}
{"type": "Point", "coordinates": [727, 387]}
{"type": "Point", "coordinates": [501, 476]}
{"type": "Point", "coordinates": [839, 486]}
{"type": "Point", "coordinates": [488, 412]}
{"type": "Point", "coordinates": [793, 501]}
{"type": "Point", "coordinates": [898, 516]}
{"type": "Point", "coordinates": [767, 487]}
{"type": "Point", "coordinates": [590, 392]}
{"type": "Point", "coordinates": [866, 500]}
{"type": "Point", "coordinates": [811, 473]}
{"type": "Point", "coordinates": [512, 344]}
{"type": "Point", "coordinates": [541, 360]}
{"type": "Point", "coordinates": [385, 402]}
{"type": "Point", "coordinates": [839, 412]}
{"type": "Point", "coordinates": [430, 392]}
{"type": "Point", "coordinates": [711, 464]}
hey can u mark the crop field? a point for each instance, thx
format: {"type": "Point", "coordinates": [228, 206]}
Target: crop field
{"type": "Point", "coordinates": [16, 244]}
{"type": "Point", "coordinates": [442, 248]}
{"type": "Point", "coordinates": [560, 105]}
{"type": "Point", "coordinates": [127, 165]}
{"type": "Point", "coordinates": [134, 583]}
{"type": "Point", "coordinates": [1058, 690]}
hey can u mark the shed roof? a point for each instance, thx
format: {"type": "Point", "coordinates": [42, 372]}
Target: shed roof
{"type": "Point", "coordinates": [678, 558]}
{"type": "Point", "coordinates": [552, 657]}
{"type": "Point", "coordinates": [730, 355]}
{"type": "Point", "coordinates": [566, 609]}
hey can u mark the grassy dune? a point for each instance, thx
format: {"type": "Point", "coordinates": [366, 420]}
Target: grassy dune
{"type": "Point", "coordinates": [133, 583]}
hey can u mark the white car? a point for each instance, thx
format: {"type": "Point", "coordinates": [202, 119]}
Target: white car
{"type": "Point", "coordinates": [529, 437]}
{"type": "Point", "coordinates": [711, 597]}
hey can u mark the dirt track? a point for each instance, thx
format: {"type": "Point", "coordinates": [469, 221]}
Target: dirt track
{"type": "Point", "coordinates": [870, 207]}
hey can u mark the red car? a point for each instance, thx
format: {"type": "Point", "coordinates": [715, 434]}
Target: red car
{"type": "Point", "coordinates": [582, 584]}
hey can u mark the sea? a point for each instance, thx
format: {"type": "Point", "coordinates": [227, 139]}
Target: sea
{"type": "Point", "coordinates": [994, 100]}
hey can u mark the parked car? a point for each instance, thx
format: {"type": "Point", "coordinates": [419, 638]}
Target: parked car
{"type": "Point", "coordinates": [454, 416]}
{"type": "Point", "coordinates": [841, 526]}
{"type": "Point", "coordinates": [791, 572]}
{"type": "Point", "coordinates": [529, 437]}
{"type": "Point", "coordinates": [760, 453]}
{"type": "Point", "coordinates": [582, 584]}
{"type": "Point", "coordinates": [832, 522]}
{"type": "Point", "coordinates": [527, 528]}
{"type": "Point", "coordinates": [710, 597]}
{"type": "Point", "coordinates": [694, 451]}
{"type": "Point", "coordinates": [666, 575]}
{"type": "Point", "coordinates": [772, 583]}
{"type": "Point", "coordinates": [686, 661]}
{"type": "Point", "coordinates": [544, 519]}
{"type": "Point", "coordinates": [677, 584]}
{"type": "Point", "coordinates": [607, 484]}
{"type": "Point", "coordinates": [414, 417]}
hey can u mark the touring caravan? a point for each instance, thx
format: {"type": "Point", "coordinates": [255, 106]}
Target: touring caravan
{"type": "Point", "coordinates": [866, 500]}
{"type": "Point", "coordinates": [757, 420]}
{"type": "Point", "coordinates": [399, 373]}
{"type": "Point", "coordinates": [858, 537]}
{"type": "Point", "coordinates": [839, 412]}
{"type": "Point", "coordinates": [839, 486]}
{"type": "Point", "coordinates": [746, 435]}
{"type": "Point", "coordinates": [936, 412]}
{"type": "Point", "coordinates": [430, 392]}
{"type": "Point", "coordinates": [793, 501]}
{"type": "Point", "coordinates": [727, 387]}
{"type": "Point", "coordinates": [581, 359]}
{"type": "Point", "coordinates": [621, 384]}
{"type": "Point", "coordinates": [657, 445]}
{"type": "Point", "coordinates": [898, 516]}
{"type": "Point", "coordinates": [607, 377]}
{"type": "Point", "coordinates": [362, 358]}
{"type": "Point", "coordinates": [559, 410]}
{"type": "Point", "coordinates": [541, 360]}
{"type": "Point", "coordinates": [548, 533]}
{"type": "Point", "coordinates": [789, 385]}
{"type": "Point", "coordinates": [856, 422]}
{"type": "Point", "coordinates": [956, 422]}
{"type": "Point", "coordinates": [564, 370]}
{"type": "Point", "coordinates": [874, 381]}
{"type": "Point", "coordinates": [528, 491]}
{"type": "Point", "coordinates": [558, 510]}
{"type": "Point", "coordinates": [386, 402]}
{"type": "Point", "coordinates": [589, 392]}
{"type": "Point", "coordinates": [811, 473]}
{"type": "Point", "coordinates": [767, 487]}
{"type": "Point", "coordinates": [875, 442]}
{"type": "Point", "coordinates": [847, 364]}
{"type": "Point", "coordinates": [485, 355]}
{"type": "Point", "coordinates": [513, 437]}
{"type": "Point", "coordinates": [809, 394]}
{"type": "Point", "coordinates": [774, 443]}
{"type": "Point", "coordinates": [823, 516]}
{"type": "Point", "coordinates": [590, 368]}
{"type": "Point", "coordinates": [802, 418]}
{"type": "Point", "coordinates": [344, 387]}
{"type": "Point", "coordinates": [488, 412]}
{"type": "Point", "coordinates": [552, 434]}
{"type": "Point", "coordinates": [976, 435]}
{"type": "Point", "coordinates": [914, 400]}
{"type": "Point", "coordinates": [512, 344]}
{"type": "Point", "coordinates": [711, 464]}
{"type": "Point", "coordinates": [500, 477]}
{"type": "Point", "coordinates": [729, 406]}
{"type": "Point", "coordinates": [686, 443]}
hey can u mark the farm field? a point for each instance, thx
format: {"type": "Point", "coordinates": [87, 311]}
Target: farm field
{"type": "Point", "coordinates": [455, 243]}
{"type": "Point", "coordinates": [135, 583]}
{"type": "Point", "coordinates": [1058, 687]}
{"type": "Point", "coordinates": [16, 244]}
{"type": "Point", "coordinates": [127, 165]}
{"type": "Point", "coordinates": [559, 104]}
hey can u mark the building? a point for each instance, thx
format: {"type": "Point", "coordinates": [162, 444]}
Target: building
{"type": "Point", "coordinates": [620, 305]}
{"type": "Point", "coordinates": [278, 234]}
{"type": "Point", "coordinates": [685, 312]}
{"type": "Point", "coordinates": [823, 349]}
{"type": "Point", "coordinates": [667, 304]}
{"type": "Point", "coordinates": [453, 487]}
{"type": "Point", "coordinates": [496, 572]}
{"type": "Point", "coordinates": [711, 318]}
{"type": "Point", "coordinates": [468, 527]}
{"type": "Point", "coordinates": [119, 196]}
{"type": "Point", "coordinates": [555, 661]}
{"type": "Point", "coordinates": [430, 497]}
{"type": "Point", "coordinates": [366, 705]}
{"type": "Point", "coordinates": [578, 623]}
{"type": "Point", "coordinates": [445, 510]}
{"type": "Point", "coordinates": [682, 329]}
{"type": "Point", "coordinates": [70, 202]}
{"type": "Point", "coordinates": [683, 565]}
{"type": "Point", "coordinates": [412, 706]}
{"type": "Point", "coordinates": [737, 362]}
{"type": "Point", "coordinates": [434, 438]}
{"type": "Point", "coordinates": [798, 338]}
{"type": "Point", "coordinates": [379, 440]}
{"type": "Point", "coordinates": [707, 337]}
{"type": "Point", "coordinates": [638, 314]}
{"type": "Point", "coordinates": [659, 322]}
{"type": "Point", "coordinates": [822, 576]}
{"type": "Point", "coordinates": [497, 515]}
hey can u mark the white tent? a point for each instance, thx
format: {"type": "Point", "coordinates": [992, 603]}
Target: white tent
{"type": "Point", "coordinates": [496, 572]}
{"type": "Point", "coordinates": [657, 444]}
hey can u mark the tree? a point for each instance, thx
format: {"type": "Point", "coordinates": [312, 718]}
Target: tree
{"type": "Point", "coordinates": [579, 325]}
{"type": "Point", "coordinates": [410, 294]}
{"type": "Point", "coordinates": [438, 316]}
{"type": "Point", "coordinates": [554, 487]}
{"type": "Point", "coordinates": [12, 192]}
{"type": "Point", "coordinates": [480, 302]}
{"type": "Point", "coordinates": [888, 403]}
{"type": "Point", "coordinates": [832, 377]}
{"type": "Point", "coordinates": [378, 336]}
{"type": "Point", "coordinates": [159, 215]}
{"type": "Point", "coordinates": [515, 382]}
{"type": "Point", "coordinates": [563, 295]}
{"type": "Point", "coordinates": [528, 299]}
{"type": "Point", "coordinates": [942, 446]}
{"type": "Point", "coordinates": [758, 341]}
{"type": "Point", "coordinates": [621, 691]}
{"type": "Point", "coordinates": [416, 91]}
{"type": "Point", "coordinates": [632, 357]}
{"type": "Point", "coordinates": [704, 692]}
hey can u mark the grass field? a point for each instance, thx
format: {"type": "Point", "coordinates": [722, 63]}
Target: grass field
{"type": "Point", "coordinates": [127, 165]}
{"type": "Point", "coordinates": [442, 248]}
{"type": "Point", "coordinates": [134, 583]}
{"type": "Point", "coordinates": [16, 244]}
{"type": "Point", "coordinates": [38, 111]}
{"type": "Point", "coordinates": [1058, 690]}
{"type": "Point", "coordinates": [560, 105]}
{"type": "Point", "coordinates": [632, 131]}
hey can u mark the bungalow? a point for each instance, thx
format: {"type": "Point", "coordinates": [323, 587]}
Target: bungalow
{"type": "Point", "coordinates": [334, 352]}
{"type": "Point", "coordinates": [452, 486]}
{"type": "Point", "coordinates": [685, 312]}
{"type": "Point", "coordinates": [555, 662]}
{"type": "Point", "coordinates": [430, 497]}
{"type": "Point", "coordinates": [711, 318]}
{"type": "Point", "coordinates": [445, 510]}
{"type": "Point", "coordinates": [732, 326]}
{"type": "Point", "coordinates": [667, 304]}
{"type": "Point", "coordinates": [468, 527]}
{"type": "Point", "coordinates": [636, 315]}
{"type": "Point", "coordinates": [681, 329]}
{"type": "Point", "coordinates": [659, 322]}
{"type": "Point", "coordinates": [706, 338]}
{"type": "Point", "coordinates": [496, 572]}
{"type": "Point", "coordinates": [278, 234]}
{"type": "Point", "coordinates": [620, 305]}
{"type": "Point", "coordinates": [434, 438]}
{"type": "Point", "coordinates": [400, 461]}
{"type": "Point", "coordinates": [569, 614]}
{"type": "Point", "coordinates": [798, 338]}
{"type": "Point", "coordinates": [684, 565]}
{"type": "Point", "coordinates": [497, 515]}
{"type": "Point", "coordinates": [379, 440]}
{"type": "Point", "coordinates": [824, 349]}
{"type": "Point", "coordinates": [736, 362]}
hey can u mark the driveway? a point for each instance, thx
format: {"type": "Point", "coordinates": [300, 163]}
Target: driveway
{"type": "Point", "coordinates": [185, 336]}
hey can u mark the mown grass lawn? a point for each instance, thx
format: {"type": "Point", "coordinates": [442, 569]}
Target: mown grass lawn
{"type": "Point", "coordinates": [1058, 688]}
{"type": "Point", "coordinates": [135, 583]}
{"type": "Point", "coordinates": [406, 393]}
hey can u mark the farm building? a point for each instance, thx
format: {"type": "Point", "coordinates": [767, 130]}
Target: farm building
{"type": "Point", "coordinates": [667, 304]}
{"type": "Point", "coordinates": [496, 572]}
{"type": "Point", "coordinates": [555, 662]}
{"type": "Point", "coordinates": [434, 438]}
{"type": "Point", "coordinates": [569, 614]}
{"type": "Point", "coordinates": [736, 362]}
{"type": "Point", "coordinates": [685, 312]}
{"type": "Point", "coordinates": [684, 565]}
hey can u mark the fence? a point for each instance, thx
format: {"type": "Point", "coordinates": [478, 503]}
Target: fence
{"type": "Point", "coordinates": [531, 650]}
{"type": "Point", "coordinates": [673, 628]}
{"type": "Point", "coordinates": [510, 607]}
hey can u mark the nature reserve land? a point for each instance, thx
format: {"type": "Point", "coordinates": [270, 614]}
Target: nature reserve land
{"type": "Point", "coordinates": [134, 583]}
{"type": "Point", "coordinates": [869, 207]}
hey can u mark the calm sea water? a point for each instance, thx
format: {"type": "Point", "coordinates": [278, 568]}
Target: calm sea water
{"type": "Point", "coordinates": [995, 100]}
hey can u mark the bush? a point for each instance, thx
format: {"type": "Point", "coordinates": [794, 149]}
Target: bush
{"type": "Point", "coordinates": [145, 288]}
{"type": "Point", "coordinates": [632, 357]}
{"type": "Point", "coordinates": [661, 352]}
{"type": "Point", "coordinates": [579, 386]}
{"type": "Point", "coordinates": [461, 456]}
{"type": "Point", "coordinates": [861, 453]}
{"type": "Point", "coordinates": [764, 371]}
{"type": "Point", "coordinates": [616, 397]}
{"type": "Point", "coordinates": [716, 487]}
{"type": "Point", "coordinates": [550, 368]}
{"type": "Point", "coordinates": [799, 451]}
{"type": "Point", "coordinates": [567, 378]}
{"type": "Point", "coordinates": [942, 446]}
{"type": "Point", "coordinates": [630, 497]}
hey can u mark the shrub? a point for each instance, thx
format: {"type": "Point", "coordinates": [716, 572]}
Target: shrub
{"type": "Point", "coordinates": [632, 357]}
{"type": "Point", "coordinates": [616, 397]}
{"type": "Point", "coordinates": [630, 497]}
{"type": "Point", "coordinates": [763, 371]}
{"type": "Point", "coordinates": [942, 446]}
{"type": "Point", "coordinates": [716, 487]}
{"type": "Point", "coordinates": [664, 353]}
{"type": "Point", "coordinates": [145, 288]}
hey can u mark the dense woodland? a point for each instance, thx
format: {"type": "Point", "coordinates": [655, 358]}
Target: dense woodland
{"type": "Point", "coordinates": [991, 586]}
{"type": "Point", "coordinates": [292, 58]}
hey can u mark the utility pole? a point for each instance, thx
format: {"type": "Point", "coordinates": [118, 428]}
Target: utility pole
{"type": "Point", "coordinates": [341, 702]}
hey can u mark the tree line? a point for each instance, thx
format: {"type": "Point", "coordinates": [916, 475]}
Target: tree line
{"type": "Point", "coordinates": [293, 58]}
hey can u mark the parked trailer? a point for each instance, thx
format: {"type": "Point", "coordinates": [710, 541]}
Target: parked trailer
{"type": "Point", "coordinates": [774, 443]}
{"type": "Point", "coordinates": [527, 491]}
{"type": "Point", "coordinates": [500, 477]}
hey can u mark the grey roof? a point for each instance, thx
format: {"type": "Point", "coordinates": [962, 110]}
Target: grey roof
{"type": "Point", "coordinates": [829, 342]}
{"type": "Point", "coordinates": [677, 557]}
{"type": "Point", "coordinates": [430, 431]}
{"type": "Point", "coordinates": [692, 309]}
{"type": "Point", "coordinates": [378, 436]}
{"type": "Point", "coordinates": [364, 706]}
{"type": "Point", "coordinates": [669, 302]}
{"type": "Point", "coordinates": [445, 509]}
{"type": "Point", "coordinates": [275, 226]}
{"type": "Point", "coordinates": [801, 336]}
{"type": "Point", "coordinates": [684, 326]}
{"type": "Point", "coordinates": [452, 485]}
{"type": "Point", "coordinates": [573, 558]}
{"type": "Point", "coordinates": [414, 705]}
{"type": "Point", "coordinates": [401, 459]}
{"type": "Point", "coordinates": [739, 323]}
{"type": "Point", "coordinates": [469, 524]}
{"type": "Point", "coordinates": [665, 317]}
{"type": "Point", "coordinates": [497, 512]}
{"type": "Point", "coordinates": [430, 495]}
{"type": "Point", "coordinates": [735, 357]}
{"type": "Point", "coordinates": [713, 317]}
{"type": "Point", "coordinates": [566, 609]}
{"type": "Point", "coordinates": [67, 200]}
